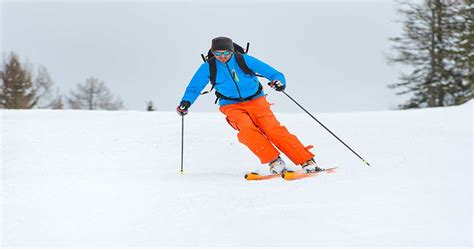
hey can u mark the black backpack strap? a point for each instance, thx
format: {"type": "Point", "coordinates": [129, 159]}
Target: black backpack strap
{"type": "Point", "coordinates": [241, 62]}
{"type": "Point", "coordinates": [212, 71]}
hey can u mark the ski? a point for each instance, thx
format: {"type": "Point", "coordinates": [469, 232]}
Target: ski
{"type": "Point", "coordinates": [295, 175]}
{"type": "Point", "coordinates": [252, 176]}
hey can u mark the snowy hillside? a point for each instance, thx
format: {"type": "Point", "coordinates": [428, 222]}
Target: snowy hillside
{"type": "Point", "coordinates": [96, 178]}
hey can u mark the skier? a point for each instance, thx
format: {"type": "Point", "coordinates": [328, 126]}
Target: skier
{"type": "Point", "coordinates": [247, 110]}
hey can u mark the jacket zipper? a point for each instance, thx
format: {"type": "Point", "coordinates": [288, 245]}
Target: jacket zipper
{"type": "Point", "coordinates": [237, 86]}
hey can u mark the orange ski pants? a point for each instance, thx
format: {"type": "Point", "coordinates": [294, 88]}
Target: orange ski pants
{"type": "Point", "coordinates": [261, 132]}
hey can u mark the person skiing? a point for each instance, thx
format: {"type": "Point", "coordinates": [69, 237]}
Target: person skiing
{"type": "Point", "coordinates": [243, 102]}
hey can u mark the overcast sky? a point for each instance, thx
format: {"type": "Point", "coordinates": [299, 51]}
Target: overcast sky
{"type": "Point", "coordinates": [331, 52]}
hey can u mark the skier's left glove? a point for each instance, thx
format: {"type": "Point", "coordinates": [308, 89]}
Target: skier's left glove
{"type": "Point", "coordinates": [277, 85]}
{"type": "Point", "coordinates": [183, 107]}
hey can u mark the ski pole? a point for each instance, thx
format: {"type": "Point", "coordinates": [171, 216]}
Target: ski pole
{"type": "Point", "coordinates": [182, 143]}
{"type": "Point", "coordinates": [363, 160]}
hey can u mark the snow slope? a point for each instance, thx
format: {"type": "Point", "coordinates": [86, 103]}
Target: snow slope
{"type": "Point", "coordinates": [97, 178]}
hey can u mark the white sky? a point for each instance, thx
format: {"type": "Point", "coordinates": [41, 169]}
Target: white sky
{"type": "Point", "coordinates": [332, 52]}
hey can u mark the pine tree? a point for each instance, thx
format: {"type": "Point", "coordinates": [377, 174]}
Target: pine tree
{"type": "Point", "coordinates": [150, 107]}
{"type": "Point", "coordinates": [94, 95]}
{"type": "Point", "coordinates": [462, 53]}
{"type": "Point", "coordinates": [17, 90]}
{"type": "Point", "coordinates": [428, 43]}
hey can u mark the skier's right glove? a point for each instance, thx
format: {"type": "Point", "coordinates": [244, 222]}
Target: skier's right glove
{"type": "Point", "coordinates": [183, 107]}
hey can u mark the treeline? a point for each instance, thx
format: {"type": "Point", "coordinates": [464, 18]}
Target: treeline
{"type": "Point", "coordinates": [437, 43]}
{"type": "Point", "coordinates": [21, 87]}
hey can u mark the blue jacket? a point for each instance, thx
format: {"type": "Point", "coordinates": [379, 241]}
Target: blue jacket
{"type": "Point", "coordinates": [242, 86]}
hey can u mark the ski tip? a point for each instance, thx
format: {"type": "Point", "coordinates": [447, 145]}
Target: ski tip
{"type": "Point", "coordinates": [250, 174]}
{"type": "Point", "coordinates": [256, 176]}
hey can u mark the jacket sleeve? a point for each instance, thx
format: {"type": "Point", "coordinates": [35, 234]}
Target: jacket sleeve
{"type": "Point", "coordinates": [264, 69]}
{"type": "Point", "coordinates": [197, 83]}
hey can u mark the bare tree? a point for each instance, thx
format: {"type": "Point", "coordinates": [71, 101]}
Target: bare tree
{"type": "Point", "coordinates": [94, 95]}
{"type": "Point", "coordinates": [43, 85]}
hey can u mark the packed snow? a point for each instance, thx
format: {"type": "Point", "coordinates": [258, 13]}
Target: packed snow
{"type": "Point", "coordinates": [98, 178]}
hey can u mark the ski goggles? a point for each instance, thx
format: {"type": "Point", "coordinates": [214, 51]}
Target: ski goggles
{"type": "Point", "coordinates": [222, 53]}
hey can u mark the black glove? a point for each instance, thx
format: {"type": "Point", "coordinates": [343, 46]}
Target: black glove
{"type": "Point", "coordinates": [277, 85]}
{"type": "Point", "coordinates": [183, 107]}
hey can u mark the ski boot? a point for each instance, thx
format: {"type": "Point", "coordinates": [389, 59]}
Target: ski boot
{"type": "Point", "coordinates": [277, 166]}
{"type": "Point", "coordinates": [311, 166]}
